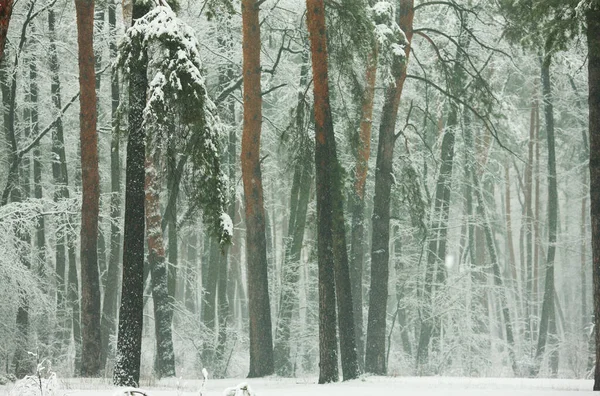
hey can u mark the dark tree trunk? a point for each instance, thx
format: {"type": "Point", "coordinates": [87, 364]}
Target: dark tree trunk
{"type": "Point", "coordinates": [171, 217]}
{"type": "Point", "coordinates": [328, 361]}
{"type": "Point", "coordinates": [546, 335]}
{"type": "Point", "coordinates": [111, 288]}
{"type": "Point", "coordinates": [129, 343]}
{"type": "Point", "coordinates": [210, 278]}
{"type": "Point", "coordinates": [261, 341]}
{"type": "Point", "coordinates": [299, 199]}
{"type": "Point", "coordinates": [375, 358]}
{"type": "Point", "coordinates": [60, 178]}
{"type": "Point", "coordinates": [593, 39]}
{"type": "Point", "coordinates": [332, 253]}
{"type": "Point", "coordinates": [163, 310]}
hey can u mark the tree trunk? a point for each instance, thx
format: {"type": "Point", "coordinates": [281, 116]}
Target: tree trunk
{"type": "Point", "coordinates": [375, 358]}
{"type": "Point", "coordinates": [261, 342]}
{"type": "Point", "coordinates": [299, 200]}
{"type": "Point", "coordinates": [90, 282]}
{"type": "Point", "coordinates": [332, 253]}
{"type": "Point", "coordinates": [545, 334]}
{"type": "Point", "coordinates": [163, 310]}
{"type": "Point", "coordinates": [127, 367]}
{"type": "Point", "coordinates": [60, 179]}
{"type": "Point", "coordinates": [357, 202]}
{"type": "Point", "coordinates": [6, 7]}
{"type": "Point", "coordinates": [328, 362]}
{"type": "Point", "coordinates": [593, 39]}
{"type": "Point", "coordinates": [111, 288]}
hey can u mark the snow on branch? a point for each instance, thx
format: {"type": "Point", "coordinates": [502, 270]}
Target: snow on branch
{"type": "Point", "coordinates": [177, 96]}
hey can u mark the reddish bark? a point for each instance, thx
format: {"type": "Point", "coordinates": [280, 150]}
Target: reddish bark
{"type": "Point", "coordinates": [90, 283]}
{"type": "Point", "coordinates": [6, 7]}
{"type": "Point", "coordinates": [261, 342]}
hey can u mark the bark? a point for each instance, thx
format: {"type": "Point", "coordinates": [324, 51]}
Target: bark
{"type": "Point", "coordinates": [593, 40]}
{"type": "Point", "coordinates": [375, 358]}
{"type": "Point", "coordinates": [357, 201]}
{"type": "Point", "coordinates": [328, 361]}
{"type": "Point", "coordinates": [6, 7]}
{"type": "Point", "coordinates": [527, 266]}
{"type": "Point", "coordinates": [90, 282]}
{"type": "Point", "coordinates": [163, 310]}
{"type": "Point", "coordinates": [509, 233]}
{"type": "Point", "coordinates": [127, 368]}
{"type": "Point", "coordinates": [547, 320]}
{"type": "Point", "coordinates": [299, 199]}
{"type": "Point", "coordinates": [171, 217]}
{"type": "Point", "coordinates": [111, 288]}
{"type": "Point", "coordinates": [224, 310]}
{"type": "Point", "coordinates": [332, 254]}
{"type": "Point", "coordinates": [209, 299]}
{"type": "Point", "coordinates": [261, 342]}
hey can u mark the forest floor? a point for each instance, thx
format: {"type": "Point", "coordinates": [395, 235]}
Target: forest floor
{"type": "Point", "coordinates": [367, 386]}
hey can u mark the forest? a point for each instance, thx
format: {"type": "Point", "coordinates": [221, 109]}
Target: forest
{"type": "Point", "coordinates": [321, 188]}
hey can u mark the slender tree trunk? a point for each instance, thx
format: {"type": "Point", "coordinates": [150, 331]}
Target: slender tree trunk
{"type": "Point", "coordinates": [261, 341]}
{"type": "Point", "coordinates": [127, 368]}
{"type": "Point", "coordinates": [111, 288]}
{"type": "Point", "coordinates": [375, 358]}
{"type": "Point", "coordinates": [163, 310]}
{"type": "Point", "coordinates": [593, 39]}
{"type": "Point", "coordinates": [90, 282]}
{"type": "Point", "coordinates": [209, 300]}
{"type": "Point", "coordinates": [60, 178]}
{"type": "Point", "coordinates": [357, 202]}
{"type": "Point", "coordinates": [299, 200]}
{"type": "Point", "coordinates": [546, 335]}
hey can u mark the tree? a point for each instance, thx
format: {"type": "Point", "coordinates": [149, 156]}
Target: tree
{"type": "Point", "coordinates": [332, 256]}
{"type": "Point", "coordinates": [90, 282]}
{"type": "Point", "coordinates": [593, 42]}
{"type": "Point", "coordinates": [111, 288]}
{"type": "Point", "coordinates": [261, 342]}
{"type": "Point", "coordinates": [129, 343]}
{"type": "Point", "coordinates": [375, 358]}
{"type": "Point", "coordinates": [175, 94]}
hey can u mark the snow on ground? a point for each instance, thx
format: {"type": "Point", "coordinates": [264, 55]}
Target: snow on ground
{"type": "Point", "coordinates": [367, 386]}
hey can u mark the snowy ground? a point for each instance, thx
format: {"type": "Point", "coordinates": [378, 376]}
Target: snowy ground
{"type": "Point", "coordinates": [370, 386]}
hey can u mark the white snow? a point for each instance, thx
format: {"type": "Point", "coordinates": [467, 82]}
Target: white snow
{"type": "Point", "coordinates": [401, 386]}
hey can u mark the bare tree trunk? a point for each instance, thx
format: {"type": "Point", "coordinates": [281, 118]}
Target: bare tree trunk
{"type": "Point", "coordinates": [111, 288]}
{"type": "Point", "coordinates": [357, 203]}
{"type": "Point", "coordinates": [90, 282]}
{"type": "Point", "coordinates": [593, 39]}
{"type": "Point", "coordinates": [127, 367]}
{"type": "Point", "coordinates": [300, 196]}
{"type": "Point", "coordinates": [375, 357]}
{"type": "Point", "coordinates": [163, 310]}
{"type": "Point", "coordinates": [547, 332]}
{"type": "Point", "coordinates": [261, 341]}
